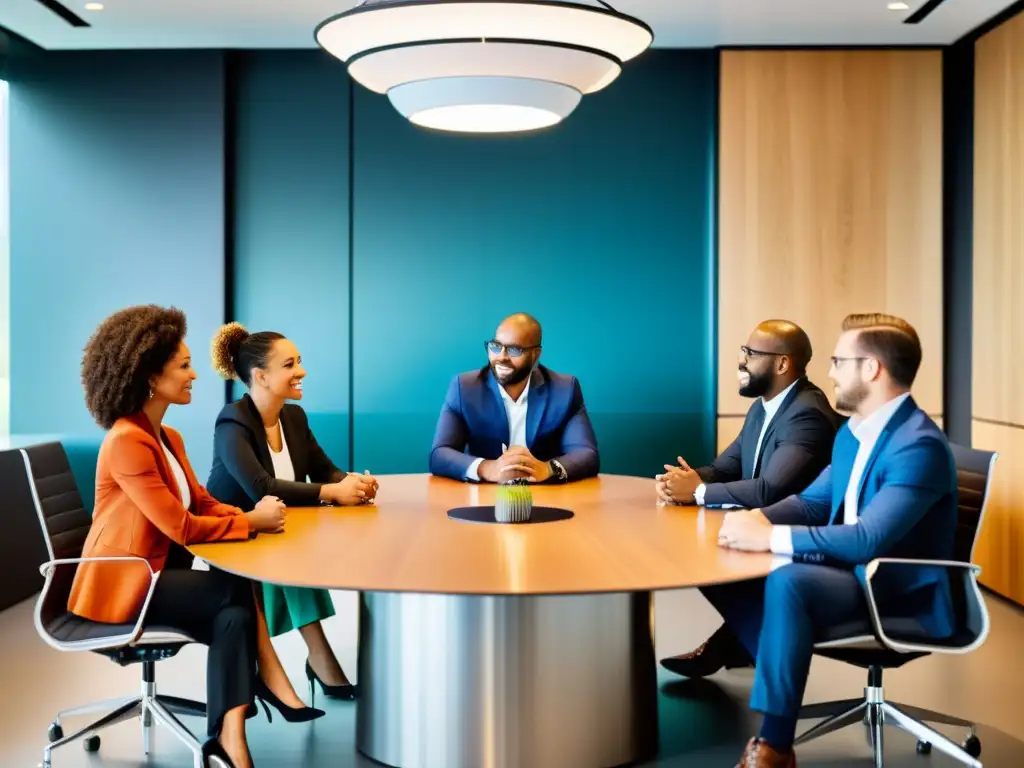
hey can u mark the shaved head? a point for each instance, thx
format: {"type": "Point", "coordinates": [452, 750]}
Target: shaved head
{"type": "Point", "coordinates": [522, 326]}
{"type": "Point", "coordinates": [775, 355]}
{"type": "Point", "coordinates": [788, 339]}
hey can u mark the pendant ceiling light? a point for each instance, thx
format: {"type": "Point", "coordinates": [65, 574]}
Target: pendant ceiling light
{"type": "Point", "coordinates": [484, 66]}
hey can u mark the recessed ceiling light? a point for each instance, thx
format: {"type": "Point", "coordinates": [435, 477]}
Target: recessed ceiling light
{"type": "Point", "coordinates": [94, 6]}
{"type": "Point", "coordinates": [898, 7]}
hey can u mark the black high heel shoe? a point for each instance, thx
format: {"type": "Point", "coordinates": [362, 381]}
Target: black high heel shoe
{"type": "Point", "coordinates": [293, 715]}
{"type": "Point", "coordinates": [347, 691]}
{"type": "Point", "coordinates": [212, 748]}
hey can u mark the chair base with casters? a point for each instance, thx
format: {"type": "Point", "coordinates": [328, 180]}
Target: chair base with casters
{"type": "Point", "coordinates": [148, 706]}
{"type": "Point", "coordinates": [875, 712]}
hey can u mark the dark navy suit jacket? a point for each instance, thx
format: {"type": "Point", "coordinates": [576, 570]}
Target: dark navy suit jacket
{"type": "Point", "coordinates": [907, 508]}
{"type": "Point", "coordinates": [473, 424]}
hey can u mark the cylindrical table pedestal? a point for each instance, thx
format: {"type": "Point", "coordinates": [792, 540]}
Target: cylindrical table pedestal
{"type": "Point", "coordinates": [462, 681]}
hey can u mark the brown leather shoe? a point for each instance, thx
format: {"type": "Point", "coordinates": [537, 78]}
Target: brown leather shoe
{"type": "Point", "coordinates": [759, 755]}
{"type": "Point", "coordinates": [722, 649]}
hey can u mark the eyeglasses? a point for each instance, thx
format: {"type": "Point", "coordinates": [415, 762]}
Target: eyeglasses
{"type": "Point", "coordinates": [514, 350]}
{"type": "Point", "coordinates": [836, 361]}
{"type": "Point", "coordinates": [749, 353]}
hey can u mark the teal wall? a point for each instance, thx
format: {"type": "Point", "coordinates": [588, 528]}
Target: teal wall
{"type": "Point", "coordinates": [265, 186]}
{"type": "Point", "coordinates": [117, 198]}
{"type": "Point", "coordinates": [599, 227]}
{"type": "Point", "coordinates": [291, 223]}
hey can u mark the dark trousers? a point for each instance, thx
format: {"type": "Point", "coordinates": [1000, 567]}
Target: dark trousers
{"type": "Point", "coordinates": [778, 620]}
{"type": "Point", "coordinates": [217, 610]}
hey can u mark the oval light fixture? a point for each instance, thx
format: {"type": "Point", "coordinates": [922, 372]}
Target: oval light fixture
{"type": "Point", "coordinates": [484, 66]}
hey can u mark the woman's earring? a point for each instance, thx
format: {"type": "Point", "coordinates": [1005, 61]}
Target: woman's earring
{"type": "Point", "coordinates": [151, 394]}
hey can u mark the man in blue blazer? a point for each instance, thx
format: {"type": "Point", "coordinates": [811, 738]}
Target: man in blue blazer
{"type": "Point", "coordinates": [891, 491]}
{"type": "Point", "coordinates": [514, 418]}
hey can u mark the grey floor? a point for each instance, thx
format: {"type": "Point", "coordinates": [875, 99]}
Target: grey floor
{"type": "Point", "coordinates": [703, 723]}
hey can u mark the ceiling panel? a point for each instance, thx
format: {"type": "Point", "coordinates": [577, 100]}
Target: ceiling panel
{"type": "Point", "coordinates": [676, 23]}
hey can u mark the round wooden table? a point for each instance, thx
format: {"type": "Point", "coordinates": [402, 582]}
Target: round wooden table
{"type": "Point", "coordinates": [500, 645]}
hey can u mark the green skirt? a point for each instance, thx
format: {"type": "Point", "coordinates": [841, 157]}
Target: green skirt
{"type": "Point", "coordinates": [289, 608]}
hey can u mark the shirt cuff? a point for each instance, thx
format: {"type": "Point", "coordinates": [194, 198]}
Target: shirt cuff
{"type": "Point", "coordinates": [782, 540]}
{"type": "Point", "coordinates": [472, 472]}
{"type": "Point", "coordinates": [698, 495]}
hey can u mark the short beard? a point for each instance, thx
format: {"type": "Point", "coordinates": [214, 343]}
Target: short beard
{"type": "Point", "coordinates": [848, 400]}
{"type": "Point", "coordinates": [757, 386]}
{"type": "Point", "coordinates": [520, 375]}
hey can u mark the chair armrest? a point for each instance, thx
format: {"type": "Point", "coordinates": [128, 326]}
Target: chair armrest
{"type": "Point", "coordinates": [101, 644]}
{"type": "Point", "coordinates": [977, 617]}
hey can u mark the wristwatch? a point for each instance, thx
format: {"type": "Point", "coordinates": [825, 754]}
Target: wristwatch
{"type": "Point", "coordinates": [558, 471]}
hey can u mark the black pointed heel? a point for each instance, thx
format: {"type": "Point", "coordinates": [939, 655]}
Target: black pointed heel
{"type": "Point", "coordinates": [293, 715]}
{"type": "Point", "coordinates": [212, 749]}
{"type": "Point", "coordinates": [347, 691]}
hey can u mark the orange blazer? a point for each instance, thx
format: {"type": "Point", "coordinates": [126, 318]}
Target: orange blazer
{"type": "Point", "coordinates": [138, 513]}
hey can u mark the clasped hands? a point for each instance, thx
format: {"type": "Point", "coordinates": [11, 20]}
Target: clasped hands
{"type": "Point", "coordinates": [268, 516]}
{"type": "Point", "coordinates": [678, 484]}
{"type": "Point", "coordinates": [515, 463]}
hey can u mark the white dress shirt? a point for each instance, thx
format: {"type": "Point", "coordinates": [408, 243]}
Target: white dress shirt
{"type": "Point", "coordinates": [866, 431]}
{"type": "Point", "coordinates": [515, 412]}
{"type": "Point", "coordinates": [771, 407]}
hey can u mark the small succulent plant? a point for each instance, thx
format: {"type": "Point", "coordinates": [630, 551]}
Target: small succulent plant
{"type": "Point", "coordinates": [513, 502]}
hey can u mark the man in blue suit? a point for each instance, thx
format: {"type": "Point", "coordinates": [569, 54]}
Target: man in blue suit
{"type": "Point", "coordinates": [514, 418]}
{"type": "Point", "coordinates": [891, 491]}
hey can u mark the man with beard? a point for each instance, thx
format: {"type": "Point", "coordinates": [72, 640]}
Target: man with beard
{"type": "Point", "coordinates": [514, 418]}
{"type": "Point", "coordinates": [890, 491]}
{"type": "Point", "coordinates": [785, 442]}
{"type": "Point", "coordinates": [786, 438]}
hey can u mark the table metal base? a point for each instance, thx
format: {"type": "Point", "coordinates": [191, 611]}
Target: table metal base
{"type": "Point", "coordinates": [461, 681]}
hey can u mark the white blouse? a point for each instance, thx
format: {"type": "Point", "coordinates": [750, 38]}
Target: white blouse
{"type": "Point", "coordinates": [179, 476]}
{"type": "Point", "coordinates": [283, 469]}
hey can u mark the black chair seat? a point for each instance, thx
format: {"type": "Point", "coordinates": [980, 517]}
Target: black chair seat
{"type": "Point", "coordinates": [69, 628]}
{"type": "Point", "coordinates": [898, 629]}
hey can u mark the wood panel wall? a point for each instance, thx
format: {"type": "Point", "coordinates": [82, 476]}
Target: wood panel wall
{"type": "Point", "coordinates": [998, 311]}
{"type": "Point", "coordinates": [830, 202]}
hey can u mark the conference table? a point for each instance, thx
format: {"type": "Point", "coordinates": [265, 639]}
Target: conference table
{"type": "Point", "coordinates": [485, 645]}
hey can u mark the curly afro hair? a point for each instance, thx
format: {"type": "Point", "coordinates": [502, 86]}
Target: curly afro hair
{"type": "Point", "coordinates": [124, 353]}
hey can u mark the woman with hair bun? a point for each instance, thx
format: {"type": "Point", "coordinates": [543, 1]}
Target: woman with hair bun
{"type": "Point", "coordinates": [149, 506]}
{"type": "Point", "coordinates": [264, 446]}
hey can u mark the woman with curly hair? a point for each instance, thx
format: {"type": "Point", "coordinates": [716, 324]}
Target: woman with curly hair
{"type": "Point", "coordinates": [263, 446]}
{"type": "Point", "coordinates": [150, 505]}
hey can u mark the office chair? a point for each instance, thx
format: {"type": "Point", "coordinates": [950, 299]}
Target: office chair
{"type": "Point", "coordinates": [890, 643]}
{"type": "Point", "coordinates": [65, 524]}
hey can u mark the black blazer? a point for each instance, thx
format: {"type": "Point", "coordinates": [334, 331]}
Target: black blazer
{"type": "Point", "coordinates": [797, 446]}
{"type": "Point", "coordinates": [243, 472]}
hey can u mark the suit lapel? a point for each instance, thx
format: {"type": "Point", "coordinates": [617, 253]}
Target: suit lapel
{"type": "Point", "coordinates": [790, 397]}
{"type": "Point", "coordinates": [536, 403]}
{"type": "Point", "coordinates": [498, 404]}
{"type": "Point", "coordinates": [843, 456]}
{"type": "Point", "coordinates": [749, 446]}
{"type": "Point", "coordinates": [897, 419]}
{"type": "Point", "coordinates": [166, 472]}
{"type": "Point", "coordinates": [259, 433]}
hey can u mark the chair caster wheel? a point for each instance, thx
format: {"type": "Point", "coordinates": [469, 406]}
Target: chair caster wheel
{"type": "Point", "coordinates": [924, 748]}
{"type": "Point", "coordinates": [92, 744]}
{"type": "Point", "coordinates": [55, 733]}
{"type": "Point", "coordinates": [972, 746]}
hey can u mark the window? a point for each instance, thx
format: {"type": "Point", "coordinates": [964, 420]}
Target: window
{"type": "Point", "coordinates": [5, 268]}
